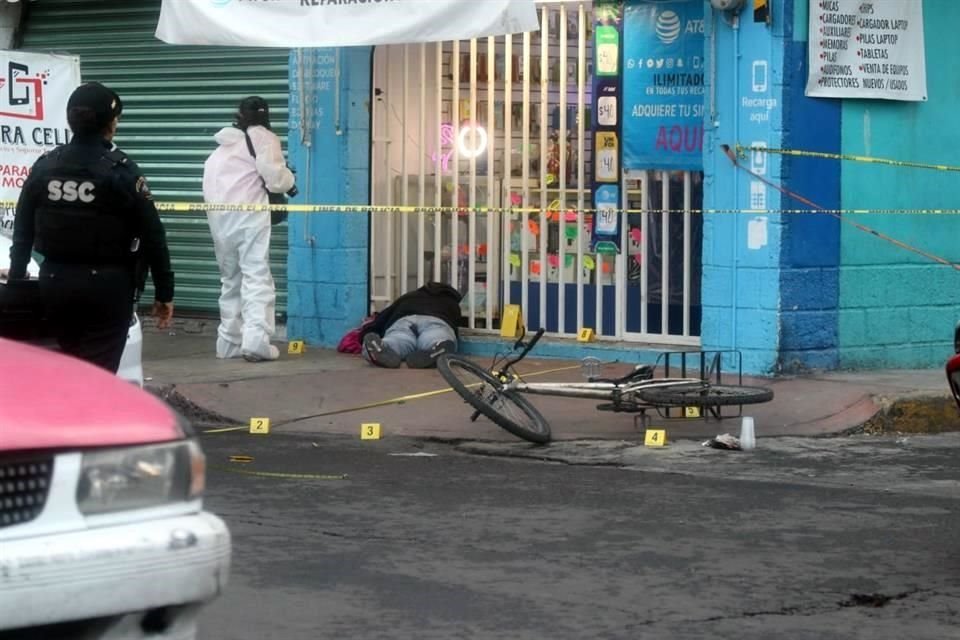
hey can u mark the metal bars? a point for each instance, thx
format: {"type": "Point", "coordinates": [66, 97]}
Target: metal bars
{"type": "Point", "coordinates": [504, 122]}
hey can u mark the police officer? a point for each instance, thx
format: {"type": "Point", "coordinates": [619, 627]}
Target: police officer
{"type": "Point", "coordinates": [86, 208]}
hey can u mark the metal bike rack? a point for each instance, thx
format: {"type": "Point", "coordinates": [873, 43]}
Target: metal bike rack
{"type": "Point", "coordinates": [712, 365]}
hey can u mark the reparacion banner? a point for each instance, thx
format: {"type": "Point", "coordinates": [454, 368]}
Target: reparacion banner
{"type": "Point", "coordinates": [339, 23]}
{"type": "Point", "coordinates": [34, 89]}
{"type": "Point", "coordinates": [663, 85]}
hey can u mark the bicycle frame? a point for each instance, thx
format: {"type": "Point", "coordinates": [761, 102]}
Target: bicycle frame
{"type": "Point", "coordinates": [637, 393]}
{"type": "Point", "coordinates": [599, 390]}
{"type": "Point", "coordinates": [595, 390]}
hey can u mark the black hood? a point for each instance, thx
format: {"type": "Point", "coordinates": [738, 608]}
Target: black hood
{"type": "Point", "coordinates": [441, 289]}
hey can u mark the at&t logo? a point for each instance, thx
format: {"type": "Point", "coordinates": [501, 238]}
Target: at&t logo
{"type": "Point", "coordinates": [669, 27]}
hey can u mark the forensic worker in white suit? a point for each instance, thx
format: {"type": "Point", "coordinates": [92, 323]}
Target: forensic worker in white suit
{"type": "Point", "coordinates": [247, 163]}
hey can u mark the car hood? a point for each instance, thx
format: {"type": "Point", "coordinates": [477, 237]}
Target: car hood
{"type": "Point", "coordinates": [51, 401]}
{"type": "Point", "coordinates": [5, 243]}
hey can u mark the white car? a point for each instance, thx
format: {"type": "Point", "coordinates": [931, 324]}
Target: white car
{"type": "Point", "coordinates": [131, 363]}
{"type": "Point", "coordinates": [102, 529]}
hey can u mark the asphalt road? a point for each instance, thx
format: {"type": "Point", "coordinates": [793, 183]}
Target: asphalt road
{"type": "Point", "coordinates": [460, 545]}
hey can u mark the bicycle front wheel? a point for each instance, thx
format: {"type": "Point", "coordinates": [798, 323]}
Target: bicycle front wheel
{"type": "Point", "coordinates": [508, 409]}
{"type": "Point", "coordinates": [705, 395]}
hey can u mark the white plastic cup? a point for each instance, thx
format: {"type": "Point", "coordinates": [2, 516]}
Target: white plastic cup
{"type": "Point", "coordinates": [748, 438]}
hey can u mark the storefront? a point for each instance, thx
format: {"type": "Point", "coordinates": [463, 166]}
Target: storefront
{"type": "Point", "coordinates": [516, 122]}
{"type": "Point", "coordinates": [175, 99]}
{"type": "Point", "coordinates": [535, 137]}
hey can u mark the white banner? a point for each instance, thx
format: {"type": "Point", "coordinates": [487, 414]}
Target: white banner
{"type": "Point", "coordinates": [339, 23]}
{"type": "Point", "coordinates": [34, 89]}
{"type": "Point", "coordinates": [867, 49]}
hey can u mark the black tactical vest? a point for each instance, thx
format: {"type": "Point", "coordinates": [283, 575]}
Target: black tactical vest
{"type": "Point", "coordinates": [85, 211]}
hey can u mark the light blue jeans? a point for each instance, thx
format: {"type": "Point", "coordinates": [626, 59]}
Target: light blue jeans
{"type": "Point", "coordinates": [416, 333]}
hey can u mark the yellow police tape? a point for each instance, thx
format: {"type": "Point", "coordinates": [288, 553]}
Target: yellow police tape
{"type": "Point", "coordinates": [281, 476]}
{"type": "Point", "coordinates": [556, 205]}
{"type": "Point", "coordinates": [385, 403]}
{"type": "Point", "coordinates": [847, 157]}
{"type": "Point", "coordinates": [198, 207]}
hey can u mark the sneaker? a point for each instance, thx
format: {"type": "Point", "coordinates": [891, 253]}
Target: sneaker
{"type": "Point", "coordinates": [274, 354]}
{"type": "Point", "coordinates": [428, 359]}
{"type": "Point", "coordinates": [379, 353]}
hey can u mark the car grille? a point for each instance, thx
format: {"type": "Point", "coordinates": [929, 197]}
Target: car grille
{"type": "Point", "coordinates": [24, 486]}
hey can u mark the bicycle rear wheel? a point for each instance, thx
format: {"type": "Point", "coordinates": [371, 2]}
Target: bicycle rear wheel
{"type": "Point", "coordinates": [705, 395]}
{"type": "Point", "coordinates": [508, 409]}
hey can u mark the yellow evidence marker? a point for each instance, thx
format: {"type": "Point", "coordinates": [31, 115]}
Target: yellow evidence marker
{"type": "Point", "coordinates": [296, 348]}
{"type": "Point", "coordinates": [511, 324]}
{"type": "Point", "coordinates": [371, 431]}
{"type": "Point", "coordinates": [586, 335]}
{"type": "Point", "coordinates": [692, 412]}
{"type": "Point", "coordinates": [260, 426]}
{"type": "Point", "coordinates": [655, 438]}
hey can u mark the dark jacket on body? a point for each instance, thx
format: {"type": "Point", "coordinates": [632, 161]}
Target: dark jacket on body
{"type": "Point", "coordinates": [433, 299]}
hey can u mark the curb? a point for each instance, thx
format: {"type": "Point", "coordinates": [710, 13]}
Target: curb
{"type": "Point", "coordinates": [909, 414]}
{"type": "Point", "coordinates": [197, 415]}
{"type": "Point", "coordinates": [916, 414]}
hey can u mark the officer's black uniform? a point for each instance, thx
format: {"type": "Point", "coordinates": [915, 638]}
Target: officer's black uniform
{"type": "Point", "coordinates": [87, 209]}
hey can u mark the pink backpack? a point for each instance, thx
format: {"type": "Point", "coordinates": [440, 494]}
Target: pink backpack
{"type": "Point", "coordinates": [350, 343]}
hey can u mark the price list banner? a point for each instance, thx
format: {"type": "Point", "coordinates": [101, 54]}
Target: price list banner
{"type": "Point", "coordinates": [607, 128]}
{"type": "Point", "coordinates": [867, 49]}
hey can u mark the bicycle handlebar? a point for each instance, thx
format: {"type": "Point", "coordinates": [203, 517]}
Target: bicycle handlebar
{"type": "Point", "coordinates": [526, 348]}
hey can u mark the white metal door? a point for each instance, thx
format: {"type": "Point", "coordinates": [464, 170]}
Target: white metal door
{"type": "Point", "coordinates": [505, 123]}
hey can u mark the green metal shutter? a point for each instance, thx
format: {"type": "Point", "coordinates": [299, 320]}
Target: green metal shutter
{"type": "Point", "coordinates": [175, 99]}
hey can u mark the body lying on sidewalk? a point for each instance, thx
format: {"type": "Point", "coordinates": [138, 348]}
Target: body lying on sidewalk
{"type": "Point", "coordinates": [417, 328]}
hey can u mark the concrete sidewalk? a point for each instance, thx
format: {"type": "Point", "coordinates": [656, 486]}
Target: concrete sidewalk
{"type": "Point", "coordinates": [336, 387]}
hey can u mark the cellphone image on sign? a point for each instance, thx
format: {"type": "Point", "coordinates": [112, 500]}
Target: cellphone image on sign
{"type": "Point", "coordinates": [759, 76]}
{"type": "Point", "coordinates": [13, 87]}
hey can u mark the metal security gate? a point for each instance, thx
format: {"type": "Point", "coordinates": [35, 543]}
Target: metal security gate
{"type": "Point", "coordinates": [505, 122]}
{"type": "Point", "coordinates": [175, 99]}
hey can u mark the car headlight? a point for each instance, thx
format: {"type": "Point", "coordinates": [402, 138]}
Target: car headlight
{"type": "Point", "coordinates": [140, 477]}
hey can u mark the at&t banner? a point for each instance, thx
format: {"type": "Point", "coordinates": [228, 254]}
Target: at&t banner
{"type": "Point", "coordinates": [663, 85]}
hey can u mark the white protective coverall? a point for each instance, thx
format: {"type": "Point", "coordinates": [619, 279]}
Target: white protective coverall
{"type": "Point", "coordinates": [242, 239]}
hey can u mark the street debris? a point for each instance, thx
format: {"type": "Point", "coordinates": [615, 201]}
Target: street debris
{"type": "Point", "coordinates": [419, 454]}
{"type": "Point", "coordinates": [748, 438]}
{"type": "Point", "coordinates": [726, 442]}
{"type": "Point", "coordinates": [876, 600]}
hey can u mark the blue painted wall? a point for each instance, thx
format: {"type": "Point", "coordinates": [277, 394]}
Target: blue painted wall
{"type": "Point", "coordinates": [328, 261]}
{"type": "Point", "coordinates": [741, 286]}
{"type": "Point", "coordinates": [898, 309]}
{"type": "Point", "coordinates": [810, 256]}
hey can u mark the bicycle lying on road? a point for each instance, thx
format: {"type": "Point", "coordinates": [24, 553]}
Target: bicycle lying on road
{"type": "Point", "coordinates": [498, 393]}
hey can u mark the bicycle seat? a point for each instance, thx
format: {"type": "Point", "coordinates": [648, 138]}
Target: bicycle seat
{"type": "Point", "coordinates": [640, 372]}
